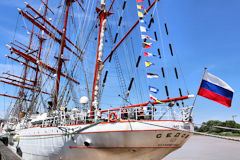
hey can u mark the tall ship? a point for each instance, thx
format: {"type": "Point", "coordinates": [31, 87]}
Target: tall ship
{"type": "Point", "coordinates": [94, 79]}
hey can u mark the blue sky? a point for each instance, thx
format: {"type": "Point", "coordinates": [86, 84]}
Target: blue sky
{"type": "Point", "coordinates": [205, 34]}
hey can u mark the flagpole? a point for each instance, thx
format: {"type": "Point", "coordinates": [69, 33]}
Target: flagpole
{"type": "Point", "coordinates": [205, 68]}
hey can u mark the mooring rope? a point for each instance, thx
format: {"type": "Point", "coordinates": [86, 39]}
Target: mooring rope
{"type": "Point", "coordinates": [235, 129]}
{"type": "Point", "coordinates": [200, 133]}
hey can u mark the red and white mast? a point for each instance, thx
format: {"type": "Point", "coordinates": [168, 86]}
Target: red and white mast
{"type": "Point", "coordinates": [103, 13]}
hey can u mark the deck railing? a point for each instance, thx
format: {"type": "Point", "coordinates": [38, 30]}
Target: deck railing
{"type": "Point", "coordinates": [156, 112]}
{"type": "Point", "coordinates": [143, 113]}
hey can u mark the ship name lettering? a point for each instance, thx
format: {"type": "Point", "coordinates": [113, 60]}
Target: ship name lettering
{"type": "Point", "coordinates": [177, 135]}
{"type": "Point", "coordinates": [158, 135]}
{"type": "Point", "coordinates": [169, 135]}
{"type": "Point", "coordinates": [183, 135]}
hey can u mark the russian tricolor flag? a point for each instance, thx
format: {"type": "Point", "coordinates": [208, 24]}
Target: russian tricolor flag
{"type": "Point", "coordinates": [216, 90]}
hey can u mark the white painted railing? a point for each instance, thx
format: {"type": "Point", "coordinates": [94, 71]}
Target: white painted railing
{"type": "Point", "coordinates": [157, 112]}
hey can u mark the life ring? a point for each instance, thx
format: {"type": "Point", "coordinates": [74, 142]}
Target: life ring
{"type": "Point", "coordinates": [113, 117]}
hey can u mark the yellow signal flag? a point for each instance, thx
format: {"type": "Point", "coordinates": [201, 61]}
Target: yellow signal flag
{"type": "Point", "coordinates": [147, 64]}
{"type": "Point", "coordinates": [139, 7]}
{"type": "Point", "coordinates": [159, 101]}
{"type": "Point", "coordinates": [147, 43]}
{"type": "Point", "coordinates": [140, 14]}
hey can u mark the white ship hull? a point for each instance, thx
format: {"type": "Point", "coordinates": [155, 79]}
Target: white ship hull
{"type": "Point", "coordinates": [141, 140]}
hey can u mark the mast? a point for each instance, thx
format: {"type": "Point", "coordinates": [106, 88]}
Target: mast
{"type": "Point", "coordinates": [60, 58]}
{"type": "Point", "coordinates": [41, 40]}
{"type": "Point", "coordinates": [103, 13]}
{"type": "Point", "coordinates": [21, 93]}
{"type": "Point", "coordinates": [32, 58]}
{"type": "Point", "coordinates": [21, 97]}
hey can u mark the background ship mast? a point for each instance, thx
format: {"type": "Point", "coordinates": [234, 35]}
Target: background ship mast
{"type": "Point", "coordinates": [20, 105]}
{"type": "Point", "coordinates": [60, 57]}
{"type": "Point", "coordinates": [33, 60]}
{"type": "Point", "coordinates": [41, 40]}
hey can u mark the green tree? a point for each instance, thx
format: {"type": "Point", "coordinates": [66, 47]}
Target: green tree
{"type": "Point", "coordinates": [196, 128]}
{"type": "Point", "coordinates": [209, 127]}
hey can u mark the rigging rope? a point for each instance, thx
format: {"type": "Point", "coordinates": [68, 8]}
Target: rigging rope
{"type": "Point", "coordinates": [138, 77]}
{"type": "Point", "coordinates": [15, 30]}
{"type": "Point", "coordinates": [174, 48]}
{"type": "Point", "coordinates": [163, 51]}
{"type": "Point", "coordinates": [118, 67]}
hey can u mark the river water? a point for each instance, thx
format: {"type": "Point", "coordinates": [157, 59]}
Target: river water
{"type": "Point", "coordinates": [206, 148]}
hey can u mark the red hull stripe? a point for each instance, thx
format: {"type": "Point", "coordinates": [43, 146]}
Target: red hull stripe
{"type": "Point", "coordinates": [215, 97]}
{"type": "Point", "coordinates": [99, 132]}
{"type": "Point", "coordinates": [82, 147]}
